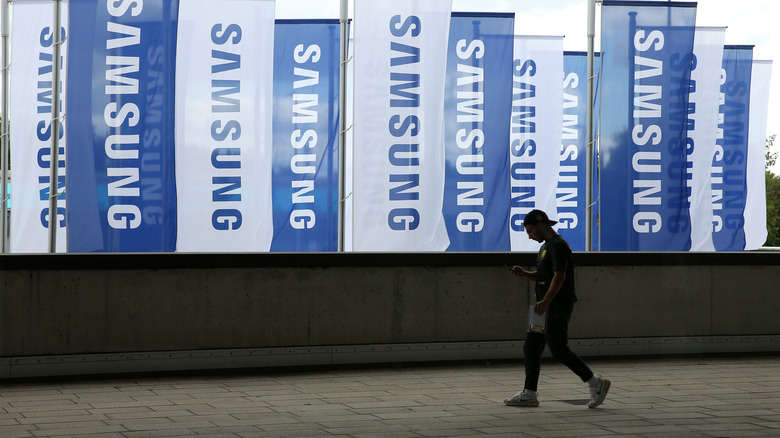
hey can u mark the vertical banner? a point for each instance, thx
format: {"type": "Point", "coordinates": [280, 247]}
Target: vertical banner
{"type": "Point", "coordinates": [646, 65]}
{"type": "Point", "coordinates": [224, 94]}
{"type": "Point", "coordinates": [535, 132]}
{"type": "Point", "coordinates": [31, 104]}
{"type": "Point", "coordinates": [400, 60]}
{"type": "Point", "coordinates": [703, 109]}
{"type": "Point", "coordinates": [477, 107]}
{"type": "Point", "coordinates": [571, 192]}
{"type": "Point", "coordinates": [729, 165]}
{"type": "Point", "coordinates": [755, 204]}
{"type": "Point", "coordinates": [121, 188]}
{"type": "Point", "coordinates": [305, 131]}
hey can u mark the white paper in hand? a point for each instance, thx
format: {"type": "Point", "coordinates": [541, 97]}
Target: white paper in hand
{"type": "Point", "coordinates": [536, 322]}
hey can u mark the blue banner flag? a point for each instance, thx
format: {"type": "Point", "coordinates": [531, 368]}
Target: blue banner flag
{"type": "Point", "coordinates": [121, 187]}
{"type": "Point", "coordinates": [646, 63]}
{"type": "Point", "coordinates": [305, 130]}
{"type": "Point", "coordinates": [729, 166]}
{"type": "Point", "coordinates": [477, 111]}
{"type": "Point", "coordinates": [571, 195]}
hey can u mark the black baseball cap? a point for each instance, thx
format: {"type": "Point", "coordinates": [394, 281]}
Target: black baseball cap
{"type": "Point", "coordinates": [537, 216]}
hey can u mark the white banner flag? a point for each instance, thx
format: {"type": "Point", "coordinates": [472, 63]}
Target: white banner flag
{"type": "Point", "coordinates": [535, 136]}
{"type": "Point", "coordinates": [224, 96]}
{"type": "Point", "coordinates": [755, 204]}
{"type": "Point", "coordinates": [704, 107]}
{"type": "Point", "coordinates": [400, 64]}
{"type": "Point", "coordinates": [31, 104]}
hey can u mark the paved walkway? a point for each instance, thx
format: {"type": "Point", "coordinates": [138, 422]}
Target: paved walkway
{"type": "Point", "coordinates": [691, 397]}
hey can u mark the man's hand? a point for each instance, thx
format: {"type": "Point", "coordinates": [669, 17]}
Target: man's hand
{"type": "Point", "coordinates": [517, 271]}
{"type": "Point", "coordinates": [555, 287]}
{"type": "Point", "coordinates": [541, 307]}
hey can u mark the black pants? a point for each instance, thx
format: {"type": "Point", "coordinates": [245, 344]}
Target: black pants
{"type": "Point", "coordinates": [557, 337]}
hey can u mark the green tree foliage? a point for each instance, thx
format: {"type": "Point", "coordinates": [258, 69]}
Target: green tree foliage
{"type": "Point", "coordinates": [772, 197]}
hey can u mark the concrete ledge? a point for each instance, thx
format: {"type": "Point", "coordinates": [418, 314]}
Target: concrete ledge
{"type": "Point", "coordinates": [122, 363]}
{"type": "Point", "coordinates": [98, 261]}
{"type": "Point", "coordinates": [92, 313]}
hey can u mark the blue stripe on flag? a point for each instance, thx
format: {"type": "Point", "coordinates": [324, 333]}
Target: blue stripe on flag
{"type": "Point", "coordinates": [477, 111]}
{"type": "Point", "coordinates": [121, 188]}
{"type": "Point", "coordinates": [305, 155]}
{"type": "Point", "coordinates": [729, 166]}
{"type": "Point", "coordinates": [645, 77]}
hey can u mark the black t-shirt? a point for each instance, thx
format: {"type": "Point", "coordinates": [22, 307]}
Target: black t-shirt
{"type": "Point", "coordinates": [555, 255]}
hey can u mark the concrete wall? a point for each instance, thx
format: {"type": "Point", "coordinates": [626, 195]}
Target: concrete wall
{"type": "Point", "coordinates": [668, 301]}
{"type": "Point", "coordinates": [114, 303]}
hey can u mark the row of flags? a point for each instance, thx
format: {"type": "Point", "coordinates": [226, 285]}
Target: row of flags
{"type": "Point", "coordinates": [204, 126]}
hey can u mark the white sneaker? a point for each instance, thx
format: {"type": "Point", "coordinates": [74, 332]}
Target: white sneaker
{"type": "Point", "coordinates": [525, 400]}
{"type": "Point", "coordinates": [599, 392]}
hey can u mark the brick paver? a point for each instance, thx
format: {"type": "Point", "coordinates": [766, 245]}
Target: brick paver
{"type": "Point", "coordinates": [678, 397]}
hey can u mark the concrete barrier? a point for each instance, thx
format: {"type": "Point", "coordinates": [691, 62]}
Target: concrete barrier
{"type": "Point", "coordinates": [98, 304]}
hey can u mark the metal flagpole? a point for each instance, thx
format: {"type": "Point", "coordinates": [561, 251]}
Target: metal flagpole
{"type": "Point", "coordinates": [589, 130]}
{"type": "Point", "coordinates": [344, 21]}
{"type": "Point", "coordinates": [55, 123]}
{"type": "Point", "coordinates": [5, 131]}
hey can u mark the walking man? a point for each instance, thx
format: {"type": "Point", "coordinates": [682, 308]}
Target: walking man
{"type": "Point", "coordinates": [554, 277]}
